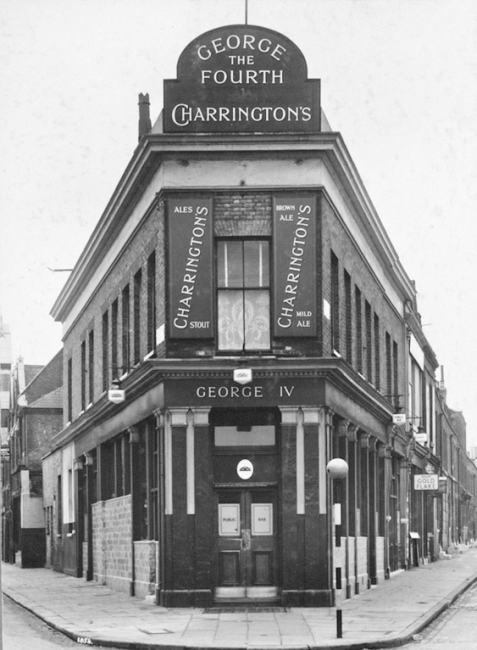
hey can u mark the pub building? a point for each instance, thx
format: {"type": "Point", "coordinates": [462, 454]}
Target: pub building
{"type": "Point", "coordinates": [235, 321]}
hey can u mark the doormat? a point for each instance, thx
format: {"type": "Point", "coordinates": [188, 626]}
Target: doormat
{"type": "Point", "coordinates": [244, 609]}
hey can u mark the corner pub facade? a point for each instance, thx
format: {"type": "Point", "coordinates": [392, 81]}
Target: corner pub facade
{"type": "Point", "coordinates": [235, 321]}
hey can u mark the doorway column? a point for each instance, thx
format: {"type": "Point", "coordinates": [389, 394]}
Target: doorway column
{"type": "Point", "coordinates": [364, 545]}
{"type": "Point", "coordinates": [372, 546]}
{"type": "Point", "coordinates": [201, 515]}
{"type": "Point", "coordinates": [342, 451]}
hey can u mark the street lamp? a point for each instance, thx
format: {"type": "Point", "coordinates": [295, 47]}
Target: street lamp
{"type": "Point", "coordinates": [337, 470]}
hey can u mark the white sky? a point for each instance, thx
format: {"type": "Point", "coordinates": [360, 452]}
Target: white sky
{"type": "Point", "coordinates": [399, 81]}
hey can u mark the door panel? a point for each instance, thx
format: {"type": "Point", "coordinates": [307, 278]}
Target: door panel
{"type": "Point", "coordinates": [246, 547]}
{"type": "Point", "coordinates": [229, 570]}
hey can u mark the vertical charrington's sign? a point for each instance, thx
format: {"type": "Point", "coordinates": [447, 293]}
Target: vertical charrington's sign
{"type": "Point", "coordinates": [190, 267]}
{"type": "Point", "coordinates": [241, 78]}
{"type": "Point", "coordinates": [294, 227]}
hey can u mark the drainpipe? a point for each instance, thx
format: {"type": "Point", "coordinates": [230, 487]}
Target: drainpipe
{"type": "Point", "coordinates": [133, 442]}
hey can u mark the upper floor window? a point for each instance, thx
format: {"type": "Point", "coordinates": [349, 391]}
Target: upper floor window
{"type": "Point", "coordinates": [126, 334]}
{"type": "Point", "coordinates": [335, 303]}
{"type": "Point", "coordinates": [243, 294]}
{"type": "Point", "coordinates": [137, 316]}
{"type": "Point", "coordinates": [91, 365]}
{"type": "Point", "coordinates": [151, 302]}
{"type": "Point", "coordinates": [69, 388]}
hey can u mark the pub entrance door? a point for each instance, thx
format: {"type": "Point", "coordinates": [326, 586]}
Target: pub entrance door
{"type": "Point", "coordinates": [246, 509]}
{"type": "Point", "coordinates": [247, 544]}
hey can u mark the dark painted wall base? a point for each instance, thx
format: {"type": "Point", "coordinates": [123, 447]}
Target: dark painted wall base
{"type": "Point", "coordinates": [185, 598]}
{"type": "Point", "coordinates": [307, 598]}
{"type": "Point", "coordinates": [33, 548]}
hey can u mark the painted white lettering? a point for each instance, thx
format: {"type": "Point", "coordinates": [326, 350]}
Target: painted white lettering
{"type": "Point", "coordinates": [204, 53]}
{"type": "Point", "coordinates": [218, 45]}
{"type": "Point", "coordinates": [278, 51]}
{"type": "Point", "coordinates": [181, 320]}
{"type": "Point", "coordinates": [286, 391]}
{"type": "Point", "coordinates": [248, 41]}
{"type": "Point", "coordinates": [264, 45]}
{"type": "Point", "coordinates": [224, 392]}
{"type": "Point", "coordinates": [233, 42]}
{"type": "Point", "coordinates": [182, 114]}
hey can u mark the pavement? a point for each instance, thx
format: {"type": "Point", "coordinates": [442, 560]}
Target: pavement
{"type": "Point", "coordinates": [387, 615]}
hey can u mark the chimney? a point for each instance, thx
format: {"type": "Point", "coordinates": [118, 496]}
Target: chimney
{"type": "Point", "coordinates": [144, 116]}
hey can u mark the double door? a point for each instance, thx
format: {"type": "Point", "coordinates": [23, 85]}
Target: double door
{"type": "Point", "coordinates": [246, 544]}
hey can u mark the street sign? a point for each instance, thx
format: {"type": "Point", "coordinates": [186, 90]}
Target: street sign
{"type": "Point", "coordinates": [421, 438]}
{"type": "Point", "coordinates": [399, 418]}
{"type": "Point", "coordinates": [426, 481]}
{"type": "Point", "coordinates": [442, 484]}
{"type": "Point", "coordinates": [243, 375]}
{"type": "Point", "coordinates": [116, 395]}
{"type": "Point", "coordinates": [245, 469]}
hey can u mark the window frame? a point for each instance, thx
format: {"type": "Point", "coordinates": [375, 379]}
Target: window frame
{"type": "Point", "coordinates": [244, 288]}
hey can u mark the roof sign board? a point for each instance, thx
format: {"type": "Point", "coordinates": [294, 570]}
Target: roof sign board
{"type": "Point", "coordinates": [241, 78]}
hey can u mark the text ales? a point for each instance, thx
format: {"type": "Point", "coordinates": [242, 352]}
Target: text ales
{"type": "Point", "coordinates": [190, 267]}
{"type": "Point", "coordinates": [294, 227]}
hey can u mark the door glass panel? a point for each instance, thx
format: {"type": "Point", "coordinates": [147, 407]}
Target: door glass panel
{"type": "Point", "coordinates": [262, 519]}
{"type": "Point", "coordinates": [229, 519]}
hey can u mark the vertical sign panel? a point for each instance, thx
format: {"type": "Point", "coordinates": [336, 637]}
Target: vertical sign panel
{"type": "Point", "coordinates": [294, 227]}
{"type": "Point", "coordinates": [190, 267]}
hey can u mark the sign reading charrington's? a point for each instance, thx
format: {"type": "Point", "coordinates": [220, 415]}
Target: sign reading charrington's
{"type": "Point", "coordinates": [190, 269]}
{"type": "Point", "coordinates": [294, 227]}
{"type": "Point", "coordinates": [241, 78]}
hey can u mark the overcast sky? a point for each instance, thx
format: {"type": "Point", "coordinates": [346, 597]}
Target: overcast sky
{"type": "Point", "coordinates": [399, 81]}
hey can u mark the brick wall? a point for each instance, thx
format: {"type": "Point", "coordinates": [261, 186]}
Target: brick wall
{"type": "Point", "coordinates": [239, 213]}
{"type": "Point", "coordinates": [243, 214]}
{"type": "Point", "coordinates": [133, 258]}
{"type": "Point", "coordinates": [112, 543]}
{"type": "Point", "coordinates": [52, 466]}
{"type": "Point", "coordinates": [144, 567]}
{"type": "Point", "coordinates": [40, 426]}
{"type": "Point", "coordinates": [336, 239]}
